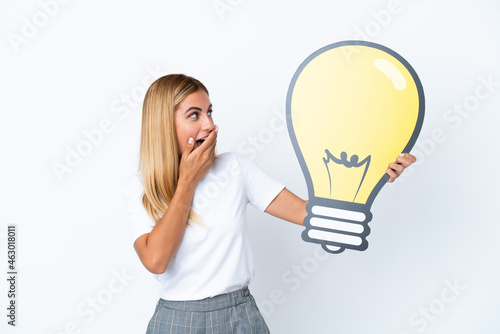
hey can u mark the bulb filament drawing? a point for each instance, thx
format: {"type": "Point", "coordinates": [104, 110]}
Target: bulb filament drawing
{"type": "Point", "coordinates": [353, 162]}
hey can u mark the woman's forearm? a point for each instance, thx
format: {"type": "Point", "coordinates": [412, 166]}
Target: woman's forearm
{"type": "Point", "coordinates": [157, 248]}
{"type": "Point", "coordinates": [289, 207]}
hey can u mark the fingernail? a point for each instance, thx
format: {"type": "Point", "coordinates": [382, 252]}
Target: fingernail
{"type": "Point", "coordinates": [191, 140]}
{"type": "Point", "coordinates": [216, 128]}
{"type": "Point", "coordinates": [402, 155]}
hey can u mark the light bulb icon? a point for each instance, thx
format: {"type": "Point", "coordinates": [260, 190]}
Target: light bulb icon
{"type": "Point", "coordinates": [352, 107]}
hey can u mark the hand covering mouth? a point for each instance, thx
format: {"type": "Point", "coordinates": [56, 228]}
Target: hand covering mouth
{"type": "Point", "coordinates": [201, 141]}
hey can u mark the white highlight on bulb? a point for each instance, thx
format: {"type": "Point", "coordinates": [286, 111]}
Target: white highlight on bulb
{"type": "Point", "coordinates": [391, 72]}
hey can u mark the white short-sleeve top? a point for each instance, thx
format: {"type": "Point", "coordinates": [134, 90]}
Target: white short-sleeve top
{"type": "Point", "coordinates": [214, 257]}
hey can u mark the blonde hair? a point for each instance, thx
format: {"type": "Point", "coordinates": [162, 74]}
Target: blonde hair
{"type": "Point", "coordinates": [159, 156]}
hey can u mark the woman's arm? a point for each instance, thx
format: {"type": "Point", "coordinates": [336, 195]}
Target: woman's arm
{"type": "Point", "coordinates": [155, 249]}
{"type": "Point", "coordinates": [289, 207]}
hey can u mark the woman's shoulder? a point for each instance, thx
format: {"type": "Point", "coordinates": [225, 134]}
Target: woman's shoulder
{"type": "Point", "coordinates": [235, 164]}
{"type": "Point", "coordinates": [230, 160]}
{"type": "Point", "coordinates": [230, 156]}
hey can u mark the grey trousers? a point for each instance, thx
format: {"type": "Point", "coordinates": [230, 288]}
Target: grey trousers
{"type": "Point", "coordinates": [234, 312]}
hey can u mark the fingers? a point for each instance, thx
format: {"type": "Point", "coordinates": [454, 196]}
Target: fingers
{"type": "Point", "coordinates": [213, 143]}
{"type": "Point", "coordinates": [392, 175]}
{"type": "Point", "coordinates": [209, 144]}
{"type": "Point", "coordinates": [207, 149]}
{"type": "Point", "coordinates": [215, 138]}
{"type": "Point", "coordinates": [189, 148]}
{"type": "Point", "coordinates": [212, 150]}
{"type": "Point", "coordinates": [410, 156]}
{"type": "Point", "coordinates": [405, 159]}
{"type": "Point", "coordinates": [394, 169]}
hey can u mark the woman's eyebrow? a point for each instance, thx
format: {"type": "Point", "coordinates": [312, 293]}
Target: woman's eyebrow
{"type": "Point", "coordinates": [192, 108]}
{"type": "Point", "coordinates": [197, 109]}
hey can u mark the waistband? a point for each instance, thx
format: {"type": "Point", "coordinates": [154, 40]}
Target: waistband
{"type": "Point", "coordinates": [209, 304]}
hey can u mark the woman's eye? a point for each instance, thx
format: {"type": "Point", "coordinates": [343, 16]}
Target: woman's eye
{"type": "Point", "coordinates": [194, 115]}
{"type": "Point", "coordinates": [209, 113]}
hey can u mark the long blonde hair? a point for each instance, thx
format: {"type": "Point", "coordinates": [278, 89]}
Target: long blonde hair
{"type": "Point", "coordinates": [159, 152]}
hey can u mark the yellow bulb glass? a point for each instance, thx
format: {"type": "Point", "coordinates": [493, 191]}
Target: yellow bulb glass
{"type": "Point", "coordinates": [352, 108]}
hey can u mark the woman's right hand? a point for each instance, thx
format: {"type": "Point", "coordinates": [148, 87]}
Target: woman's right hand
{"type": "Point", "coordinates": [195, 163]}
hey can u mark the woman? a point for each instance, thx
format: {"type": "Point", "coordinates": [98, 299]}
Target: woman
{"type": "Point", "coordinates": [187, 212]}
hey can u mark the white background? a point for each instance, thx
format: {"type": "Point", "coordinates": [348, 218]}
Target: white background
{"type": "Point", "coordinates": [74, 70]}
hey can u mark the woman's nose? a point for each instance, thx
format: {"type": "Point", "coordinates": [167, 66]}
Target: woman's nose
{"type": "Point", "coordinates": [208, 123]}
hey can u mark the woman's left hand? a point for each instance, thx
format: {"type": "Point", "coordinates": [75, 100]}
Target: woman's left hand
{"type": "Point", "coordinates": [394, 169]}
